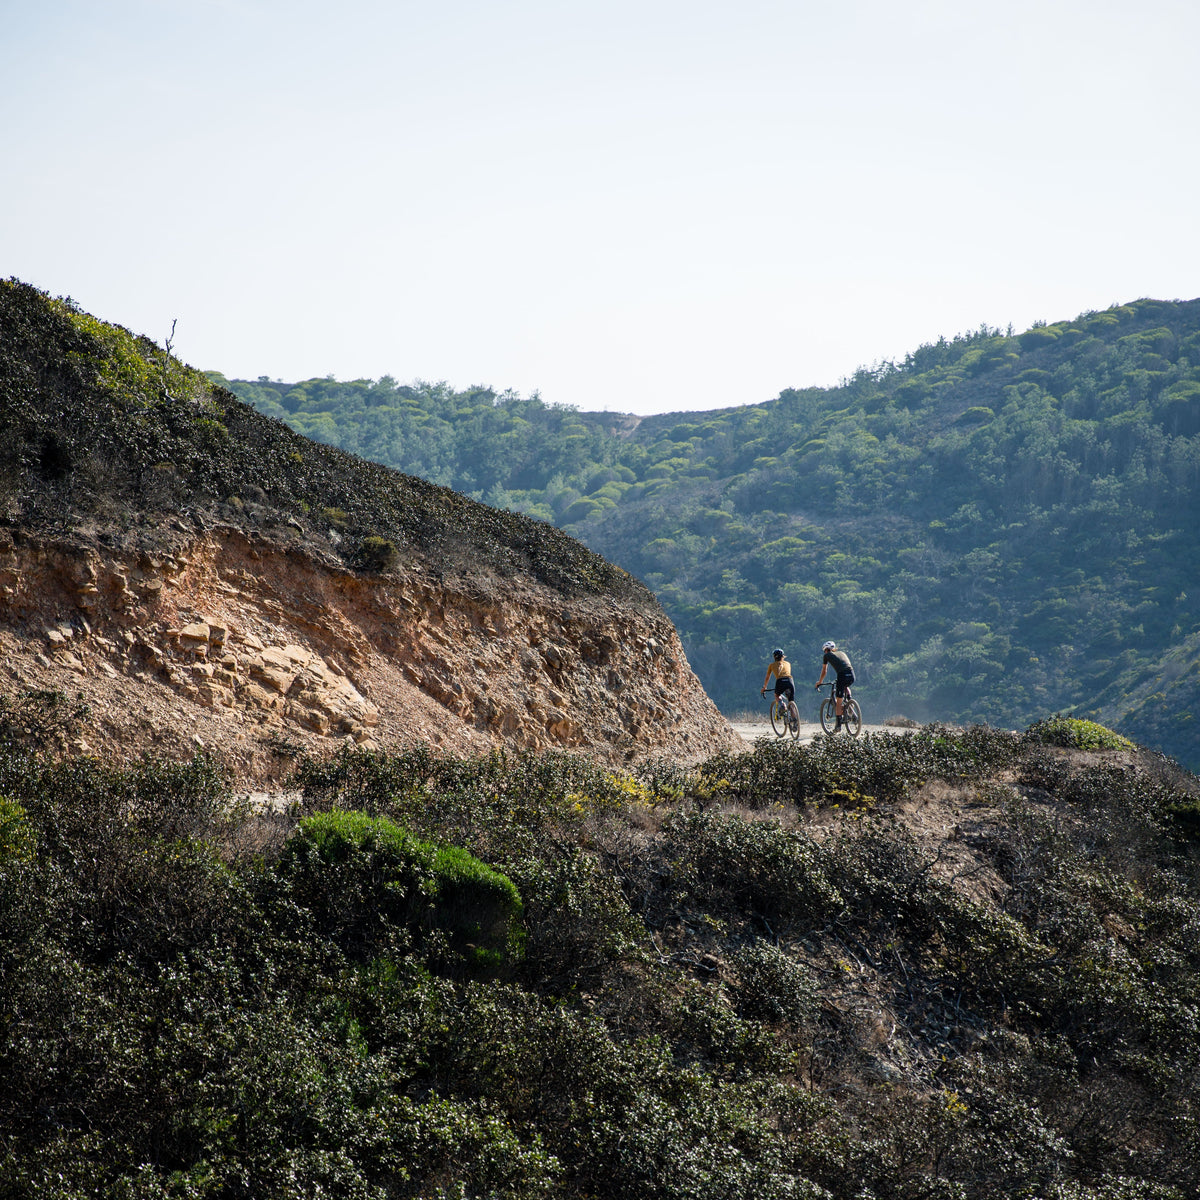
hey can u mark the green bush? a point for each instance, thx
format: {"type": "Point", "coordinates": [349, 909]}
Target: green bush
{"type": "Point", "coordinates": [374, 889]}
{"type": "Point", "coordinates": [773, 986]}
{"type": "Point", "coordinates": [17, 838]}
{"type": "Point", "coordinates": [376, 554]}
{"type": "Point", "coordinates": [1076, 734]}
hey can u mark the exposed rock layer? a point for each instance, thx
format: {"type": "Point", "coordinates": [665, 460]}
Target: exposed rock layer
{"type": "Point", "coordinates": [235, 642]}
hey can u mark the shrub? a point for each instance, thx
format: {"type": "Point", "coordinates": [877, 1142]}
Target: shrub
{"type": "Point", "coordinates": [578, 920]}
{"type": "Point", "coordinates": [39, 720]}
{"type": "Point", "coordinates": [376, 554]}
{"type": "Point", "coordinates": [1185, 812]}
{"type": "Point", "coordinates": [857, 772]}
{"type": "Point", "coordinates": [1077, 734]}
{"type": "Point", "coordinates": [374, 889]}
{"type": "Point", "coordinates": [17, 837]}
{"type": "Point", "coordinates": [772, 986]}
{"type": "Point", "coordinates": [129, 858]}
{"type": "Point", "coordinates": [731, 861]}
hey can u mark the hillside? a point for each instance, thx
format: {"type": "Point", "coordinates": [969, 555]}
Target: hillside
{"type": "Point", "coordinates": [1003, 525]}
{"type": "Point", "coordinates": [199, 574]}
{"type": "Point", "coordinates": [934, 965]}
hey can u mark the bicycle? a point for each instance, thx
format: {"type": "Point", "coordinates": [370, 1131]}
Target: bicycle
{"type": "Point", "coordinates": [785, 717]}
{"type": "Point", "coordinates": [851, 713]}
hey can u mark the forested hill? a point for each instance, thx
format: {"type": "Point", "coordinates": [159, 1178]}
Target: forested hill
{"type": "Point", "coordinates": [999, 527]}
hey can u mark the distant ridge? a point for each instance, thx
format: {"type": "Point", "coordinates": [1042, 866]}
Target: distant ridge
{"type": "Point", "coordinates": [1002, 526]}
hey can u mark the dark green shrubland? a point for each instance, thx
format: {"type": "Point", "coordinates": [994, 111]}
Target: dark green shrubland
{"type": "Point", "coordinates": [524, 976]}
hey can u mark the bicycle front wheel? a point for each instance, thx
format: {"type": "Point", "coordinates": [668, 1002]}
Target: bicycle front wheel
{"type": "Point", "coordinates": [779, 721]}
{"type": "Point", "coordinates": [828, 716]}
{"type": "Point", "coordinates": [852, 718]}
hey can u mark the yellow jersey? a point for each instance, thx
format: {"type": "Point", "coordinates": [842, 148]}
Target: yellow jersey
{"type": "Point", "coordinates": [780, 670]}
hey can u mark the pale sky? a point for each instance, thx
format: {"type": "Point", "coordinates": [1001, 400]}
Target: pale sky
{"type": "Point", "coordinates": [635, 205]}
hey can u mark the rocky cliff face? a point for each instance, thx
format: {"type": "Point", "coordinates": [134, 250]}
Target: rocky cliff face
{"type": "Point", "coordinates": [201, 575]}
{"type": "Point", "coordinates": [226, 640]}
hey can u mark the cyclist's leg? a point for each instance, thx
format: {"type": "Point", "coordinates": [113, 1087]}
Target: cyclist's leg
{"type": "Point", "coordinates": [843, 690]}
{"type": "Point", "coordinates": [779, 709]}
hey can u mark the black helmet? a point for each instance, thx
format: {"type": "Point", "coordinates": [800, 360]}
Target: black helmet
{"type": "Point", "coordinates": [777, 653]}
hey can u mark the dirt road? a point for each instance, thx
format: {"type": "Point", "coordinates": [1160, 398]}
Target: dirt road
{"type": "Point", "coordinates": [751, 731]}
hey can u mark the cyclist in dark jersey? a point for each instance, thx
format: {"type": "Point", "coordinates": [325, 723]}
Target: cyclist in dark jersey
{"type": "Point", "coordinates": [839, 660]}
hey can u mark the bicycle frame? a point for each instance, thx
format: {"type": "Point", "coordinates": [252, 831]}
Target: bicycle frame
{"type": "Point", "coordinates": [784, 715]}
{"type": "Point", "coordinates": [851, 712]}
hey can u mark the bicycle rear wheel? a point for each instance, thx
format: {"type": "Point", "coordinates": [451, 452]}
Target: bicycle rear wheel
{"type": "Point", "coordinates": [794, 720]}
{"type": "Point", "coordinates": [779, 721]}
{"type": "Point", "coordinates": [828, 715]}
{"type": "Point", "coordinates": [852, 718]}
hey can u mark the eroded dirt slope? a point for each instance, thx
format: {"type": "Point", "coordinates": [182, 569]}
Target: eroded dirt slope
{"type": "Point", "coordinates": [225, 639]}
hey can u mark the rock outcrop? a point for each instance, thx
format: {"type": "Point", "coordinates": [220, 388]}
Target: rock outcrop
{"type": "Point", "coordinates": [225, 640]}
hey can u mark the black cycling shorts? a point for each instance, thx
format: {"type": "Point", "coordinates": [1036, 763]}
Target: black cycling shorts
{"type": "Point", "coordinates": [784, 687]}
{"type": "Point", "coordinates": [843, 683]}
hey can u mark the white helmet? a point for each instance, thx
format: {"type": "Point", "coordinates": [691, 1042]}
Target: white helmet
{"type": "Point", "coordinates": [829, 646]}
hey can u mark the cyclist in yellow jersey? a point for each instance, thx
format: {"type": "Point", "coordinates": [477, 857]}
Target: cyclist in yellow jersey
{"type": "Point", "coordinates": [781, 670]}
